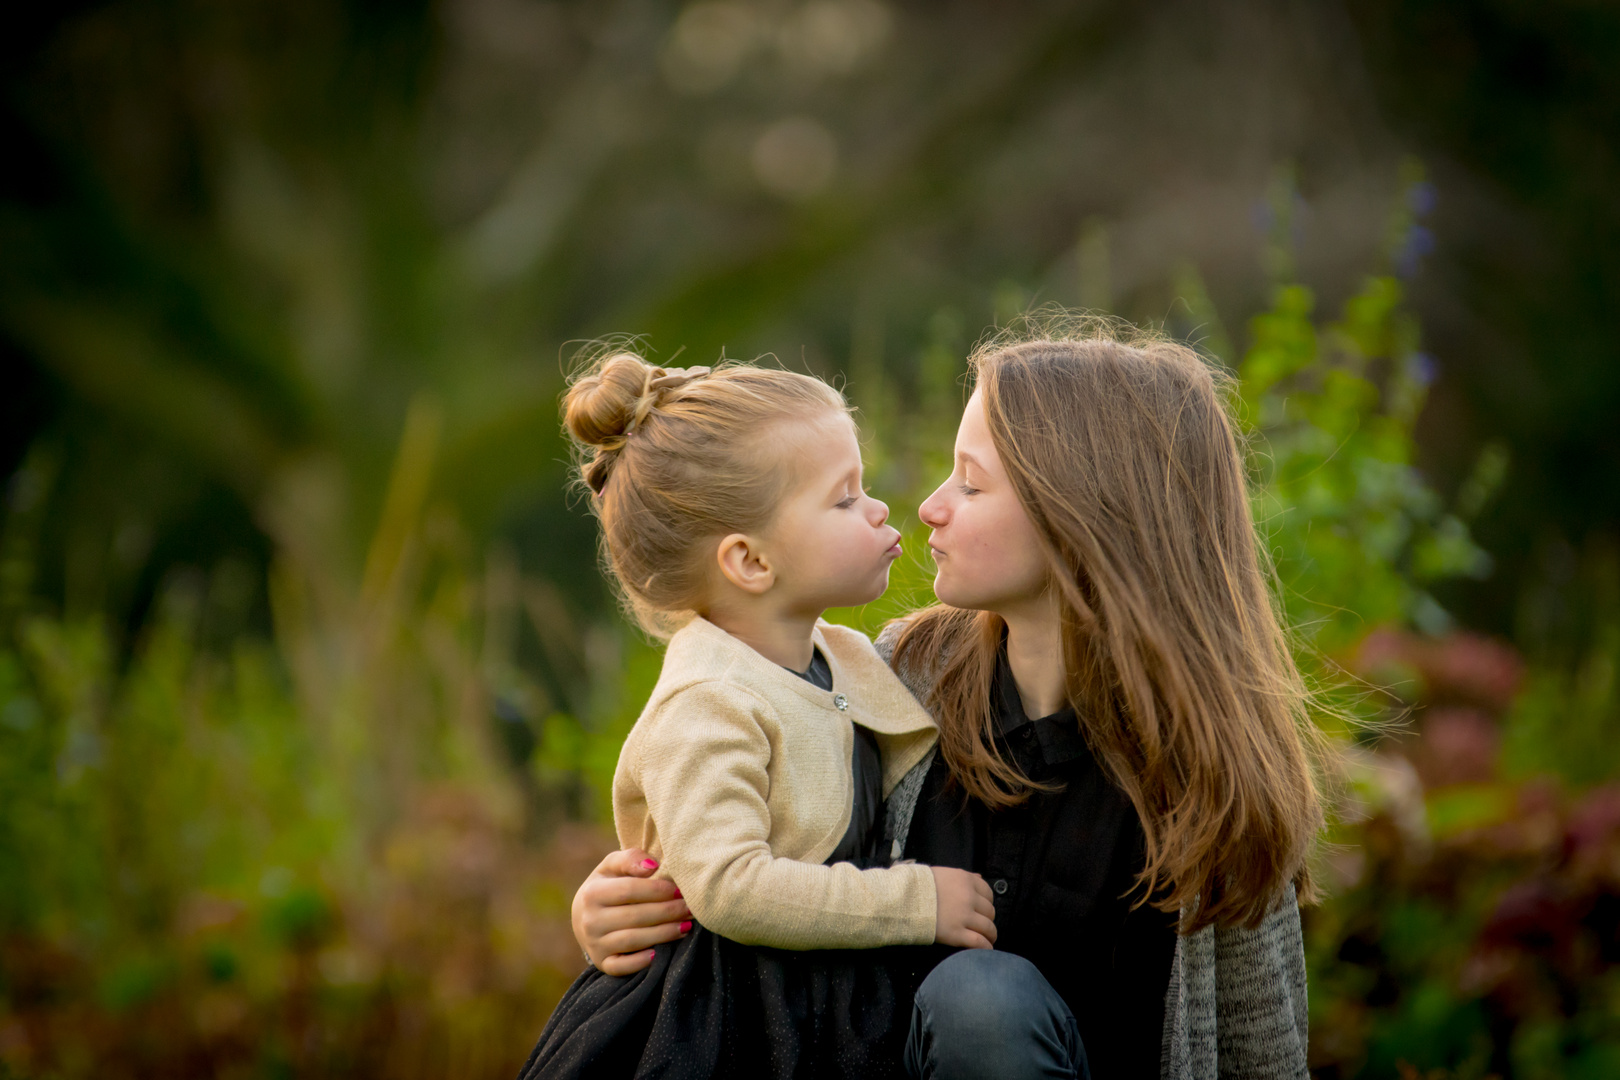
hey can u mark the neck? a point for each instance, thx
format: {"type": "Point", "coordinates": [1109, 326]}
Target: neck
{"type": "Point", "coordinates": [1035, 655]}
{"type": "Point", "coordinates": [779, 637]}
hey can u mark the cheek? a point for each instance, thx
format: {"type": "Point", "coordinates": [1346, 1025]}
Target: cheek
{"type": "Point", "coordinates": [840, 544]}
{"type": "Point", "coordinates": [1000, 552]}
{"type": "Point", "coordinates": [1023, 546]}
{"type": "Point", "coordinates": [995, 534]}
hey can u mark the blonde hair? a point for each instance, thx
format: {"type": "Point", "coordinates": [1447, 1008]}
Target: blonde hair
{"type": "Point", "coordinates": [675, 459]}
{"type": "Point", "coordinates": [1121, 451]}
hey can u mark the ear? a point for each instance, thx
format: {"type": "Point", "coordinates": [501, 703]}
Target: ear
{"type": "Point", "coordinates": [743, 562]}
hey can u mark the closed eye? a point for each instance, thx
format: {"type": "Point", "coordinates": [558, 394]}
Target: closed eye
{"type": "Point", "coordinates": [965, 490]}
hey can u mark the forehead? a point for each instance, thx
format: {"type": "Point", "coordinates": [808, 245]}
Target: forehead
{"type": "Point", "coordinates": [825, 440]}
{"type": "Point", "coordinates": [973, 436]}
{"type": "Point", "coordinates": [815, 448]}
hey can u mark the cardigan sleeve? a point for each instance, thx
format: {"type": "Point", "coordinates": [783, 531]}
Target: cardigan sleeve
{"type": "Point", "coordinates": [1262, 1028]}
{"type": "Point", "coordinates": [1236, 1004]}
{"type": "Point", "coordinates": [703, 771]}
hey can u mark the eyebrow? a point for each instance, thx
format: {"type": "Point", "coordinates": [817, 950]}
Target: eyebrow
{"type": "Point", "coordinates": [843, 481]}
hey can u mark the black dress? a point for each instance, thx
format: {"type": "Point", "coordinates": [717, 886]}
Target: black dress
{"type": "Point", "coordinates": [710, 1007]}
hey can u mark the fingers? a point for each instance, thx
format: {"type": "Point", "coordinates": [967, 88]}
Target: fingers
{"type": "Point", "coordinates": [597, 925]}
{"type": "Point", "coordinates": [979, 925]}
{"type": "Point", "coordinates": [984, 906]}
{"type": "Point", "coordinates": [629, 862]}
{"type": "Point", "coordinates": [627, 942]}
{"type": "Point", "coordinates": [982, 888]}
{"type": "Point", "coordinates": [614, 891]}
{"type": "Point", "coordinates": [963, 937]}
{"type": "Point", "coordinates": [625, 965]}
{"type": "Point", "coordinates": [620, 911]}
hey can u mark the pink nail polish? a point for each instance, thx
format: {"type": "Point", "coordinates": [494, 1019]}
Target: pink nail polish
{"type": "Point", "coordinates": [677, 892]}
{"type": "Point", "coordinates": [686, 927]}
{"type": "Point", "coordinates": [649, 864]}
{"type": "Point", "coordinates": [651, 953]}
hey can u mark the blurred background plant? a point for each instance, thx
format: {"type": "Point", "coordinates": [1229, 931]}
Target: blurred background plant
{"type": "Point", "coordinates": [309, 691]}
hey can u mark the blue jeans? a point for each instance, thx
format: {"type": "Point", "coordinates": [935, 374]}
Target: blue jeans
{"type": "Point", "coordinates": [983, 1013]}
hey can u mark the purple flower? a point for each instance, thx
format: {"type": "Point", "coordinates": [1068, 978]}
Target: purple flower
{"type": "Point", "coordinates": [1260, 213]}
{"type": "Point", "coordinates": [1420, 198]}
{"type": "Point", "coordinates": [1418, 242]}
{"type": "Point", "coordinates": [1422, 368]}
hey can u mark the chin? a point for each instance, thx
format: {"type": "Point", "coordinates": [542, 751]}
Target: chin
{"type": "Point", "coordinates": [872, 594]}
{"type": "Point", "coordinates": [945, 594]}
{"type": "Point", "coordinates": [954, 596]}
{"type": "Point", "coordinates": [855, 598]}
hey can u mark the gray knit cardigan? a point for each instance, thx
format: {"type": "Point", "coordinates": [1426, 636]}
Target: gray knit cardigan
{"type": "Point", "coordinates": [1235, 1006]}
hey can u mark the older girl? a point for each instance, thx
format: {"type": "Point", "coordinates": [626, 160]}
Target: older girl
{"type": "Point", "coordinates": [1125, 752]}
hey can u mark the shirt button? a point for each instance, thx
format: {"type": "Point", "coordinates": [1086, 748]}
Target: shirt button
{"type": "Point", "coordinates": [1000, 886]}
{"type": "Point", "coordinates": [841, 703]}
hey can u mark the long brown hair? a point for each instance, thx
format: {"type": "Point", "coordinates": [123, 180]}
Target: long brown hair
{"type": "Point", "coordinates": [1121, 450]}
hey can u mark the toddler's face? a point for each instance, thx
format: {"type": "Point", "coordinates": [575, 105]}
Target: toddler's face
{"type": "Point", "coordinates": [830, 541]}
{"type": "Point", "coordinates": [984, 545]}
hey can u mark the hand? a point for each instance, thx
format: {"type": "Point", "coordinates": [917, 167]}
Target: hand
{"type": "Point", "coordinates": [622, 911]}
{"type": "Point", "coordinates": [966, 915]}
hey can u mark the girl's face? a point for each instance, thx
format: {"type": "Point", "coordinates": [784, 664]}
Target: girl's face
{"type": "Point", "coordinates": [830, 542]}
{"type": "Point", "coordinates": [985, 548]}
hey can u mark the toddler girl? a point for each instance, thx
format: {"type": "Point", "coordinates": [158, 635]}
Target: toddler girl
{"type": "Point", "coordinates": [733, 515]}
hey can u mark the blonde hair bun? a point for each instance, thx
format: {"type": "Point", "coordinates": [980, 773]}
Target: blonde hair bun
{"type": "Point", "coordinates": [693, 453]}
{"type": "Point", "coordinates": [599, 408]}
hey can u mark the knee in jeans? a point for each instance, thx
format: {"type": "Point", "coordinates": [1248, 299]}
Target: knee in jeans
{"type": "Point", "coordinates": [981, 988]}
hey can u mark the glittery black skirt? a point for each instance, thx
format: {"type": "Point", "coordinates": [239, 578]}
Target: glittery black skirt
{"type": "Point", "coordinates": [709, 1007]}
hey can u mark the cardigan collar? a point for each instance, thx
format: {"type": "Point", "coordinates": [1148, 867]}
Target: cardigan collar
{"type": "Point", "coordinates": [864, 689]}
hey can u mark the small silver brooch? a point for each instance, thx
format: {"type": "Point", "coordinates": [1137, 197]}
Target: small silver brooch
{"type": "Point", "coordinates": [841, 703]}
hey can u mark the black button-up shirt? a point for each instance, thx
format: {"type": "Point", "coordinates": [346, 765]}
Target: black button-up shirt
{"type": "Point", "coordinates": [1060, 867]}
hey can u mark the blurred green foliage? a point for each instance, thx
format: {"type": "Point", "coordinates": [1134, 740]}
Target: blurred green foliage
{"type": "Point", "coordinates": [296, 850]}
{"type": "Point", "coordinates": [1357, 533]}
{"type": "Point", "coordinates": [309, 695]}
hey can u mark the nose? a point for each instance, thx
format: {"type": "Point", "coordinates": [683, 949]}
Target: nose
{"type": "Point", "coordinates": [932, 511]}
{"type": "Point", "coordinates": [878, 513]}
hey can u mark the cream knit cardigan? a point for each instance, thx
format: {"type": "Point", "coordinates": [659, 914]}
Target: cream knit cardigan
{"type": "Point", "coordinates": [736, 777]}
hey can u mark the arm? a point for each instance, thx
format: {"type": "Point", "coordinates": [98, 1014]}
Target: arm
{"type": "Point", "coordinates": [703, 770]}
{"type": "Point", "coordinates": [1235, 1006]}
{"type": "Point", "coordinates": [621, 912]}
{"type": "Point", "coordinates": [1260, 997]}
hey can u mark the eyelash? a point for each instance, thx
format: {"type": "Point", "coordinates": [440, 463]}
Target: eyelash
{"type": "Point", "coordinates": [967, 490]}
{"type": "Point", "coordinates": [846, 503]}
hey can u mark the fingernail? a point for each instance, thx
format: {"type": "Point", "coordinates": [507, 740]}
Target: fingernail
{"type": "Point", "coordinates": [686, 927]}
{"type": "Point", "coordinates": [651, 953]}
{"type": "Point", "coordinates": [677, 892]}
{"type": "Point", "coordinates": [649, 864]}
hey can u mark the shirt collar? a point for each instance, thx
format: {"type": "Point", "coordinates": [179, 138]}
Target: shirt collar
{"type": "Point", "coordinates": [1058, 734]}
